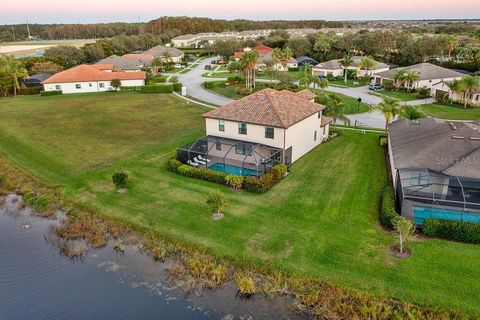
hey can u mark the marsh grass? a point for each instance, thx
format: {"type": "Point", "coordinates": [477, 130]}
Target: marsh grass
{"type": "Point", "coordinates": [245, 285]}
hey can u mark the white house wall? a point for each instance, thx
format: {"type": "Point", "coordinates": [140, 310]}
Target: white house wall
{"type": "Point", "coordinates": [91, 86]}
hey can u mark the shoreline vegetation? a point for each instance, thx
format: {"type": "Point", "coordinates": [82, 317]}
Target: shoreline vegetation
{"type": "Point", "coordinates": [199, 268]}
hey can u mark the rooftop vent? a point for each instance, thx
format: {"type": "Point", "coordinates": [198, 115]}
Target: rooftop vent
{"type": "Point", "coordinates": [475, 138]}
{"type": "Point", "coordinates": [458, 137]}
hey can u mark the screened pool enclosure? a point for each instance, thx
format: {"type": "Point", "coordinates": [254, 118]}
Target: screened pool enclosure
{"type": "Point", "coordinates": [424, 193]}
{"type": "Point", "coordinates": [230, 156]}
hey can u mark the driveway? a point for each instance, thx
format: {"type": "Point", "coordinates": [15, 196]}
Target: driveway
{"type": "Point", "coordinates": [193, 80]}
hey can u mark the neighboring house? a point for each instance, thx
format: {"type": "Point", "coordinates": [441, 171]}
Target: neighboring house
{"type": "Point", "coordinates": [429, 75]}
{"type": "Point", "coordinates": [91, 78]}
{"type": "Point", "coordinates": [443, 88]}
{"type": "Point", "coordinates": [265, 53]}
{"type": "Point", "coordinates": [123, 63]}
{"type": "Point", "coordinates": [254, 133]}
{"type": "Point", "coordinates": [143, 58]}
{"type": "Point", "coordinates": [306, 60]}
{"type": "Point", "coordinates": [175, 54]}
{"type": "Point", "coordinates": [334, 68]}
{"type": "Point", "coordinates": [435, 166]}
{"type": "Point", "coordinates": [35, 80]}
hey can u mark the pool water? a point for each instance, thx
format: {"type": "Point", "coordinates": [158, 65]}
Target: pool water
{"type": "Point", "coordinates": [229, 169]}
{"type": "Point", "coordinates": [422, 213]}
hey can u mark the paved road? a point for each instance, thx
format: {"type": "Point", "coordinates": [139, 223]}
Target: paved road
{"type": "Point", "coordinates": [193, 80]}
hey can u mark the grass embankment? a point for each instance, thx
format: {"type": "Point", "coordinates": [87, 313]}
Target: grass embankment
{"type": "Point", "coordinates": [322, 221]}
{"type": "Point", "coordinates": [451, 111]}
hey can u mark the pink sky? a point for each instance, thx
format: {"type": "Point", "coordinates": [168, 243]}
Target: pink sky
{"type": "Point", "coordinates": [43, 11]}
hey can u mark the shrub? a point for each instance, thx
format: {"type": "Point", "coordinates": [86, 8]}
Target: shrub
{"type": "Point", "coordinates": [293, 69]}
{"type": "Point", "coordinates": [174, 79]}
{"type": "Point", "coordinates": [116, 83]}
{"type": "Point", "coordinates": [245, 285]}
{"type": "Point", "coordinates": [176, 166]}
{"type": "Point", "coordinates": [404, 231]}
{"type": "Point", "coordinates": [209, 84]}
{"type": "Point", "coordinates": [388, 212]}
{"type": "Point", "coordinates": [164, 88]}
{"type": "Point", "coordinates": [383, 141]}
{"type": "Point", "coordinates": [216, 200]}
{"type": "Point", "coordinates": [177, 87]}
{"type": "Point", "coordinates": [423, 93]}
{"type": "Point", "coordinates": [130, 88]}
{"type": "Point", "coordinates": [388, 84]}
{"type": "Point", "coordinates": [51, 93]}
{"type": "Point", "coordinates": [279, 171]}
{"type": "Point", "coordinates": [30, 91]}
{"type": "Point", "coordinates": [160, 79]}
{"type": "Point", "coordinates": [120, 179]}
{"type": "Point", "coordinates": [453, 230]}
{"type": "Point", "coordinates": [234, 181]}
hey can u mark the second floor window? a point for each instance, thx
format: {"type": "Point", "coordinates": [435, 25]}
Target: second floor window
{"type": "Point", "coordinates": [221, 125]}
{"type": "Point", "coordinates": [242, 128]}
{"type": "Point", "coordinates": [269, 132]}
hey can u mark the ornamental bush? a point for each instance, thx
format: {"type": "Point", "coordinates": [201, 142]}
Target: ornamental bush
{"type": "Point", "coordinates": [453, 230]}
{"type": "Point", "coordinates": [160, 79]}
{"type": "Point", "coordinates": [120, 179]}
{"type": "Point", "coordinates": [177, 87]}
{"type": "Point", "coordinates": [209, 84]}
{"type": "Point", "coordinates": [279, 171]}
{"type": "Point", "coordinates": [388, 212]}
{"type": "Point", "coordinates": [234, 181]}
{"type": "Point", "coordinates": [423, 93]}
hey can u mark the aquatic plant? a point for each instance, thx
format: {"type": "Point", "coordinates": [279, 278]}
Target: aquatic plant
{"type": "Point", "coordinates": [245, 285]}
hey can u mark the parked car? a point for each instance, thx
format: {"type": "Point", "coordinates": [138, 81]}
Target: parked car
{"type": "Point", "coordinates": [208, 67]}
{"type": "Point", "coordinates": [322, 77]}
{"type": "Point", "coordinates": [221, 62]}
{"type": "Point", "coordinates": [375, 87]}
{"type": "Point", "coordinates": [213, 62]}
{"type": "Point", "coordinates": [178, 66]}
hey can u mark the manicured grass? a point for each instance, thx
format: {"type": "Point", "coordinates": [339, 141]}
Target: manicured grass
{"type": "Point", "coordinates": [295, 75]}
{"type": "Point", "coordinates": [227, 91]}
{"type": "Point", "coordinates": [403, 96]}
{"type": "Point", "coordinates": [321, 221]}
{"type": "Point", "coordinates": [350, 104]}
{"type": "Point", "coordinates": [451, 112]}
{"type": "Point", "coordinates": [211, 74]}
{"type": "Point", "coordinates": [350, 83]}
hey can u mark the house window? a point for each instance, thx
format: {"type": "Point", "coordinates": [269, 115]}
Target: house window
{"type": "Point", "coordinates": [324, 130]}
{"type": "Point", "coordinates": [319, 115]}
{"type": "Point", "coordinates": [269, 133]}
{"type": "Point", "coordinates": [242, 128]}
{"type": "Point", "coordinates": [101, 85]}
{"type": "Point", "coordinates": [221, 125]}
{"type": "Point", "coordinates": [58, 87]}
{"type": "Point", "coordinates": [78, 86]}
{"type": "Point", "coordinates": [315, 136]}
{"type": "Point", "coordinates": [243, 149]}
{"type": "Point", "coordinates": [90, 85]}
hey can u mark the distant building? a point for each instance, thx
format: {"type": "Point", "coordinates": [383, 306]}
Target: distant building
{"type": "Point", "coordinates": [334, 68]}
{"type": "Point", "coordinates": [35, 80]}
{"type": "Point", "coordinates": [162, 52]}
{"type": "Point", "coordinates": [123, 63]}
{"type": "Point", "coordinates": [91, 78]}
{"type": "Point", "coordinates": [306, 60]}
{"type": "Point", "coordinates": [265, 53]}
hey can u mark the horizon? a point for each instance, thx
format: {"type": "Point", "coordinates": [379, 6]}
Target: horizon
{"type": "Point", "coordinates": [90, 11]}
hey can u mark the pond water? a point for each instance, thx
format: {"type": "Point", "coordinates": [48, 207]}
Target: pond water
{"type": "Point", "coordinates": [37, 282]}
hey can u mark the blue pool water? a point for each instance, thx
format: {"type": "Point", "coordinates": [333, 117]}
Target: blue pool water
{"type": "Point", "coordinates": [421, 213]}
{"type": "Point", "coordinates": [229, 169]}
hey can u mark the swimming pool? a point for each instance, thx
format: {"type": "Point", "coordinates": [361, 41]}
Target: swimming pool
{"type": "Point", "coordinates": [422, 213]}
{"type": "Point", "coordinates": [229, 169]}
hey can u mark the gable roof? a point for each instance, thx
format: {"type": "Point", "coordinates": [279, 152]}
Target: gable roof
{"type": "Point", "coordinates": [268, 107]}
{"type": "Point", "coordinates": [335, 64]}
{"type": "Point", "coordinates": [85, 73]}
{"type": "Point", "coordinates": [260, 49]}
{"type": "Point", "coordinates": [122, 63]}
{"type": "Point", "coordinates": [144, 58]}
{"type": "Point", "coordinates": [447, 147]}
{"type": "Point", "coordinates": [159, 51]}
{"type": "Point", "coordinates": [426, 71]}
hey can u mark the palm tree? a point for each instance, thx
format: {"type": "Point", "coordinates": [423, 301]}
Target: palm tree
{"type": "Point", "coordinates": [471, 85]}
{"type": "Point", "coordinates": [249, 62]}
{"type": "Point", "coordinates": [277, 57]}
{"type": "Point", "coordinates": [411, 77]}
{"type": "Point", "coordinates": [346, 62]}
{"type": "Point", "coordinates": [286, 57]}
{"type": "Point", "coordinates": [390, 108]}
{"type": "Point", "coordinates": [307, 77]}
{"type": "Point", "coordinates": [366, 63]}
{"type": "Point", "coordinates": [457, 86]}
{"type": "Point", "coordinates": [322, 84]}
{"type": "Point", "coordinates": [411, 113]}
{"type": "Point", "coordinates": [334, 109]}
{"type": "Point", "coordinates": [12, 70]}
{"type": "Point", "coordinates": [399, 78]}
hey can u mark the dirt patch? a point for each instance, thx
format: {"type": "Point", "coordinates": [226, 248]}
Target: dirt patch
{"type": "Point", "coordinates": [217, 216]}
{"type": "Point", "coordinates": [395, 251]}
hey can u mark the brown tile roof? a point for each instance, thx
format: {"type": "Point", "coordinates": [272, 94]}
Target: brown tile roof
{"type": "Point", "coordinates": [268, 107]}
{"type": "Point", "coordinates": [102, 66]}
{"type": "Point", "coordinates": [85, 73]}
{"type": "Point", "coordinates": [325, 121]}
{"type": "Point", "coordinates": [307, 94]}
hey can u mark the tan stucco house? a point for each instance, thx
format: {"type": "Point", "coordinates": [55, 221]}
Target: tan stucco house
{"type": "Point", "coordinates": [258, 131]}
{"type": "Point", "coordinates": [334, 68]}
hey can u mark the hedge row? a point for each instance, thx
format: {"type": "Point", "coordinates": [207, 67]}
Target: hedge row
{"type": "Point", "coordinates": [177, 87]}
{"type": "Point", "coordinates": [452, 230]}
{"type": "Point", "coordinates": [388, 212]}
{"type": "Point", "coordinates": [209, 84]}
{"type": "Point", "coordinates": [30, 91]}
{"type": "Point", "coordinates": [166, 88]}
{"type": "Point", "coordinates": [252, 184]}
{"type": "Point", "coordinates": [51, 93]}
{"type": "Point", "coordinates": [160, 79]}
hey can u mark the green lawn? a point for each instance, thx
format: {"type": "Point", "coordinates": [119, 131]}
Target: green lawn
{"type": "Point", "coordinates": [350, 83]}
{"type": "Point", "coordinates": [451, 111]}
{"type": "Point", "coordinates": [350, 104]}
{"type": "Point", "coordinates": [402, 96]}
{"type": "Point", "coordinates": [321, 221]}
{"type": "Point", "coordinates": [227, 91]}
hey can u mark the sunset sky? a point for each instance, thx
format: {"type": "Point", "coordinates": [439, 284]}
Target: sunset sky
{"type": "Point", "coordinates": [47, 11]}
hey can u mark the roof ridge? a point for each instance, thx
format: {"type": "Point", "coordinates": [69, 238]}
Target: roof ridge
{"type": "Point", "coordinates": [274, 106]}
{"type": "Point", "coordinates": [463, 156]}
